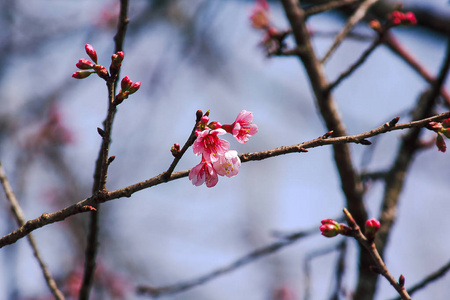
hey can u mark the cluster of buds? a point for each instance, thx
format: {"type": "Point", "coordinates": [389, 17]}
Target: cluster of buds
{"type": "Point", "coordinates": [127, 87]}
{"type": "Point", "coordinates": [87, 67]}
{"type": "Point", "coordinates": [217, 159]}
{"type": "Point", "coordinates": [441, 128]}
{"type": "Point", "coordinates": [399, 18]}
{"type": "Point", "coordinates": [331, 228]}
{"type": "Point", "coordinates": [395, 18]}
{"type": "Point", "coordinates": [259, 18]}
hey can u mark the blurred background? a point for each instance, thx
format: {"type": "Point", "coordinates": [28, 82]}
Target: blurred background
{"type": "Point", "coordinates": [203, 54]}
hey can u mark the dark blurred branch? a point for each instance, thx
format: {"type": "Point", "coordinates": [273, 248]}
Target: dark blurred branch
{"type": "Point", "coordinates": [357, 16]}
{"type": "Point", "coordinates": [405, 54]}
{"type": "Point", "coordinates": [249, 258]}
{"type": "Point", "coordinates": [429, 279]}
{"type": "Point", "coordinates": [20, 218]}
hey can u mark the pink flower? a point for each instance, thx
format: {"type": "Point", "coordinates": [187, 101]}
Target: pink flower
{"type": "Point", "coordinates": [243, 128]}
{"type": "Point", "coordinates": [204, 173]}
{"type": "Point", "coordinates": [209, 144]}
{"type": "Point", "coordinates": [228, 164]}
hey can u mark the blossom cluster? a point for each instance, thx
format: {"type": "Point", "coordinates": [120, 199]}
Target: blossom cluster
{"type": "Point", "coordinates": [217, 159]}
{"type": "Point", "coordinates": [400, 18]}
{"type": "Point", "coordinates": [440, 128]}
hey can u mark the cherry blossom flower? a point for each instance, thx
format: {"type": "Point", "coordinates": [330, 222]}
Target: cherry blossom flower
{"type": "Point", "coordinates": [243, 128]}
{"type": "Point", "coordinates": [209, 144]}
{"type": "Point", "coordinates": [204, 172]}
{"type": "Point", "coordinates": [228, 164]}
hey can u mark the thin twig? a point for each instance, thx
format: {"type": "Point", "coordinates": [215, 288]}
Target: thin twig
{"type": "Point", "coordinates": [429, 279]}
{"type": "Point", "coordinates": [246, 259]}
{"type": "Point", "coordinates": [352, 21]}
{"type": "Point", "coordinates": [317, 9]}
{"type": "Point", "coordinates": [101, 172]}
{"type": "Point", "coordinates": [20, 218]}
{"type": "Point", "coordinates": [369, 245]}
{"type": "Point", "coordinates": [358, 63]}
{"type": "Point", "coordinates": [86, 204]}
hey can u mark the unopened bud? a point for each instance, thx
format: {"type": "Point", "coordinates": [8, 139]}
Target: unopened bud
{"type": "Point", "coordinates": [330, 228]}
{"type": "Point", "coordinates": [375, 25]}
{"type": "Point", "coordinates": [118, 57]}
{"type": "Point", "coordinates": [126, 83]}
{"type": "Point", "coordinates": [111, 159]}
{"type": "Point", "coordinates": [440, 143]}
{"type": "Point", "coordinates": [371, 226]}
{"type": "Point", "coordinates": [401, 280]}
{"type": "Point", "coordinates": [101, 71]}
{"type": "Point", "coordinates": [215, 125]}
{"type": "Point", "coordinates": [81, 74]}
{"type": "Point", "coordinates": [134, 87]}
{"type": "Point", "coordinates": [198, 114]}
{"type": "Point", "coordinates": [91, 52]}
{"type": "Point", "coordinates": [101, 132]}
{"type": "Point", "coordinates": [84, 64]}
{"type": "Point", "coordinates": [175, 149]}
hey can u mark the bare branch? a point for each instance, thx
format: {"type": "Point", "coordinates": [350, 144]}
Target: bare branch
{"type": "Point", "coordinates": [317, 9]}
{"type": "Point", "coordinates": [86, 204]}
{"type": "Point", "coordinates": [352, 21]}
{"type": "Point", "coordinates": [20, 218]}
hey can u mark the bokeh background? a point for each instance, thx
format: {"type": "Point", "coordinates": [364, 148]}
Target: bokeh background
{"type": "Point", "coordinates": [203, 54]}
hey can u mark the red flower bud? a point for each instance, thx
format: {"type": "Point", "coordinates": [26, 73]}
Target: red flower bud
{"type": "Point", "coordinates": [126, 83]}
{"type": "Point", "coordinates": [329, 228]}
{"type": "Point", "coordinates": [446, 123]}
{"type": "Point", "coordinates": [134, 87]}
{"type": "Point", "coordinates": [81, 74]}
{"type": "Point", "coordinates": [215, 125]}
{"type": "Point", "coordinates": [91, 52]}
{"type": "Point", "coordinates": [411, 18]}
{"type": "Point", "coordinates": [101, 71]}
{"type": "Point", "coordinates": [372, 226]}
{"type": "Point", "coordinates": [175, 149]}
{"type": "Point", "coordinates": [84, 64]}
{"type": "Point", "coordinates": [118, 57]}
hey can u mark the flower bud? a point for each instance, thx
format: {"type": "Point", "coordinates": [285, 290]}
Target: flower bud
{"type": "Point", "coordinates": [375, 25]}
{"type": "Point", "coordinates": [91, 52]}
{"type": "Point", "coordinates": [446, 123]}
{"type": "Point", "coordinates": [118, 57]}
{"type": "Point", "coordinates": [215, 125]}
{"type": "Point", "coordinates": [329, 228]}
{"type": "Point", "coordinates": [401, 280]}
{"type": "Point", "coordinates": [175, 149]}
{"type": "Point", "coordinates": [410, 18]}
{"type": "Point", "coordinates": [101, 71]}
{"type": "Point", "coordinates": [84, 64]}
{"type": "Point", "coordinates": [81, 74]}
{"type": "Point", "coordinates": [440, 143]}
{"type": "Point", "coordinates": [134, 87]}
{"type": "Point", "coordinates": [126, 83]}
{"type": "Point", "coordinates": [371, 226]}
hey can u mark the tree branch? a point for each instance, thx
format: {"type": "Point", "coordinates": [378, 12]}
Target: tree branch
{"type": "Point", "coordinates": [86, 204]}
{"type": "Point", "coordinates": [20, 218]}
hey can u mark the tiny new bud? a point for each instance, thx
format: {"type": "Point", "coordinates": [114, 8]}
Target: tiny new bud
{"type": "Point", "coordinates": [204, 120]}
{"type": "Point", "coordinates": [134, 87]}
{"type": "Point", "coordinates": [175, 149]}
{"type": "Point", "coordinates": [375, 25]}
{"type": "Point", "coordinates": [101, 132]}
{"type": "Point", "coordinates": [126, 83]}
{"type": "Point", "coordinates": [91, 52]}
{"type": "Point", "coordinates": [81, 74]}
{"type": "Point", "coordinates": [440, 143]}
{"type": "Point", "coordinates": [401, 280]}
{"type": "Point", "coordinates": [84, 64]}
{"type": "Point", "coordinates": [365, 142]}
{"type": "Point", "coordinates": [371, 226]}
{"type": "Point", "coordinates": [411, 18]}
{"type": "Point", "coordinates": [394, 121]}
{"type": "Point", "coordinates": [111, 159]}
